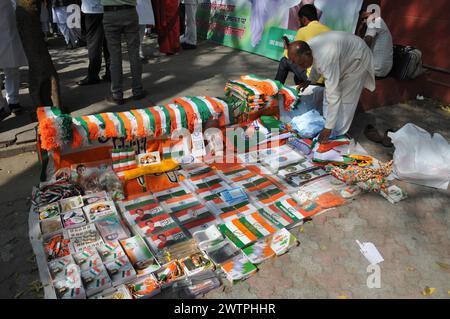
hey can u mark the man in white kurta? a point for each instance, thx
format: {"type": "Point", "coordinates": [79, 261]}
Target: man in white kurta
{"type": "Point", "coordinates": [12, 57]}
{"type": "Point", "coordinates": [346, 63]}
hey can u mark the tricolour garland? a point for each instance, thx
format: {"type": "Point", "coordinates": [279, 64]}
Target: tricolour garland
{"type": "Point", "coordinates": [249, 94]}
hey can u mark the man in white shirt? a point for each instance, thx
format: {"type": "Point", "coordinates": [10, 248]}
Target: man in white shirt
{"type": "Point", "coordinates": [189, 40]}
{"type": "Point", "coordinates": [376, 34]}
{"type": "Point", "coordinates": [96, 42]}
{"type": "Point", "coordinates": [346, 63]}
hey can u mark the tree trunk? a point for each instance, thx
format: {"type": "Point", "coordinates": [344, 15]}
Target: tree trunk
{"type": "Point", "coordinates": [43, 78]}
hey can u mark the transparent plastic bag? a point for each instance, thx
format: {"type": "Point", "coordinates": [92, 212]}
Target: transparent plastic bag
{"type": "Point", "coordinates": [309, 124]}
{"type": "Point", "coordinates": [421, 158]}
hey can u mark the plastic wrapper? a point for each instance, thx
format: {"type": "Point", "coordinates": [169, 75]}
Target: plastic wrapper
{"type": "Point", "coordinates": [309, 124]}
{"type": "Point", "coordinates": [144, 287]}
{"type": "Point", "coordinates": [98, 176]}
{"type": "Point", "coordinates": [420, 157]}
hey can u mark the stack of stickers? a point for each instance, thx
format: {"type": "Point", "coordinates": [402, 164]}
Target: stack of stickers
{"type": "Point", "coordinates": [148, 219]}
{"type": "Point", "coordinates": [263, 189]}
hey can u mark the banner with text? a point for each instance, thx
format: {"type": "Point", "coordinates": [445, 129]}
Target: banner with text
{"type": "Point", "coordinates": [257, 26]}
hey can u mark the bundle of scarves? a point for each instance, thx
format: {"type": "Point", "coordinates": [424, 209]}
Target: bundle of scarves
{"type": "Point", "coordinates": [58, 129]}
{"type": "Point", "coordinates": [55, 128]}
{"type": "Point", "coordinates": [256, 93]}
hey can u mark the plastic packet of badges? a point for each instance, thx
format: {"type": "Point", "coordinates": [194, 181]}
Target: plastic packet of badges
{"type": "Point", "coordinates": [195, 264]}
{"type": "Point", "coordinates": [84, 237]}
{"type": "Point", "coordinates": [119, 292]}
{"type": "Point", "coordinates": [96, 279]}
{"type": "Point", "coordinates": [99, 209]}
{"type": "Point", "coordinates": [311, 190]}
{"type": "Point", "coordinates": [74, 218]}
{"type": "Point", "coordinates": [121, 270]}
{"type": "Point", "coordinates": [144, 287]}
{"type": "Point", "coordinates": [51, 225]}
{"type": "Point", "coordinates": [110, 251]}
{"type": "Point", "coordinates": [201, 284]}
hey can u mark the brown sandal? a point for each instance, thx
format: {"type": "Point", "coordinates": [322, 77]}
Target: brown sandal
{"type": "Point", "coordinates": [372, 134]}
{"type": "Point", "coordinates": [386, 139]}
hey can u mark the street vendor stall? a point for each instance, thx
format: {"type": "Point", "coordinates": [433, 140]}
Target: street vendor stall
{"type": "Point", "coordinates": [126, 208]}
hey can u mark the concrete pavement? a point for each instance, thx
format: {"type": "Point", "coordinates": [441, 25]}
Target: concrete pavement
{"type": "Point", "coordinates": [413, 236]}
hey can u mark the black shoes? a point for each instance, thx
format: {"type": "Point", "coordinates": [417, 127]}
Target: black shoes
{"type": "Point", "coordinates": [88, 81]}
{"type": "Point", "coordinates": [116, 101]}
{"type": "Point", "coordinates": [4, 114]}
{"type": "Point", "coordinates": [106, 77]}
{"type": "Point", "coordinates": [187, 46]}
{"type": "Point", "coordinates": [15, 108]}
{"type": "Point", "coordinates": [140, 96]}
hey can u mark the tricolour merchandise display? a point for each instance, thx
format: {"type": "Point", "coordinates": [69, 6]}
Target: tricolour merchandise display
{"type": "Point", "coordinates": [125, 210]}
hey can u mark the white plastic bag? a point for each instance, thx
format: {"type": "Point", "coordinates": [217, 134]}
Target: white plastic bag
{"type": "Point", "coordinates": [421, 158]}
{"type": "Point", "coordinates": [309, 124]}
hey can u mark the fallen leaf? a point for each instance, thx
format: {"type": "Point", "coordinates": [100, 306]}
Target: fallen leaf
{"type": "Point", "coordinates": [343, 297]}
{"type": "Point", "coordinates": [20, 293]}
{"type": "Point", "coordinates": [443, 265]}
{"type": "Point", "coordinates": [410, 268]}
{"type": "Point", "coordinates": [302, 230]}
{"type": "Point", "coordinates": [428, 291]}
{"type": "Point", "coordinates": [323, 247]}
{"type": "Point", "coordinates": [36, 285]}
{"type": "Point", "coordinates": [448, 292]}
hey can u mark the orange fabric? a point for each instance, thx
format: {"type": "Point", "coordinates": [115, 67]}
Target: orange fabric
{"type": "Point", "coordinates": [140, 123]}
{"type": "Point", "coordinates": [158, 128]}
{"type": "Point", "coordinates": [127, 124]}
{"type": "Point", "coordinates": [110, 128]}
{"type": "Point", "coordinates": [93, 128]}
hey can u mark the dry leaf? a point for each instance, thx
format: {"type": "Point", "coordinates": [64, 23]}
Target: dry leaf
{"type": "Point", "coordinates": [428, 291]}
{"type": "Point", "coordinates": [443, 265]}
{"type": "Point", "coordinates": [343, 297]}
{"type": "Point", "coordinates": [410, 268]}
{"type": "Point", "coordinates": [302, 230]}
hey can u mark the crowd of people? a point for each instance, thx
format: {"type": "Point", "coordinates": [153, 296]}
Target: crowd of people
{"type": "Point", "coordinates": [103, 24]}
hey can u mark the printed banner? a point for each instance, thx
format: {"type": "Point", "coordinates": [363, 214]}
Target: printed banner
{"type": "Point", "coordinates": [257, 25]}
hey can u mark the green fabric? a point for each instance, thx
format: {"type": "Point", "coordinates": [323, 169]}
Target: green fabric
{"type": "Point", "coordinates": [168, 119]}
{"type": "Point", "coordinates": [270, 122]}
{"type": "Point", "coordinates": [140, 204]}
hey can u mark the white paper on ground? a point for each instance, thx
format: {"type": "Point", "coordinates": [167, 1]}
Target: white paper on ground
{"type": "Point", "coordinates": [370, 252]}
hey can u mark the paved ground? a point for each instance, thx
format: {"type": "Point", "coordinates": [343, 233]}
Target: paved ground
{"type": "Point", "coordinates": [413, 236]}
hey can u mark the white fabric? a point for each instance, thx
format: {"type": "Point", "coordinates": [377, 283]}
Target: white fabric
{"type": "Point", "coordinates": [60, 18]}
{"type": "Point", "coordinates": [346, 63]}
{"type": "Point", "coordinates": [145, 12]}
{"type": "Point", "coordinates": [11, 49]}
{"type": "Point", "coordinates": [91, 6]}
{"type": "Point", "coordinates": [382, 46]}
{"type": "Point", "coordinates": [12, 85]}
{"type": "Point", "coordinates": [311, 98]}
{"type": "Point", "coordinates": [190, 33]}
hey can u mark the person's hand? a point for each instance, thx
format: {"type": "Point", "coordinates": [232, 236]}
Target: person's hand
{"type": "Point", "coordinates": [285, 42]}
{"type": "Point", "coordinates": [324, 136]}
{"type": "Point", "coordinates": [303, 86]}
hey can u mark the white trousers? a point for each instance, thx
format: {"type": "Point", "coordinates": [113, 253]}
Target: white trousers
{"type": "Point", "coordinates": [190, 33]}
{"type": "Point", "coordinates": [351, 89]}
{"type": "Point", "coordinates": [12, 85]}
{"type": "Point", "coordinates": [60, 18]}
